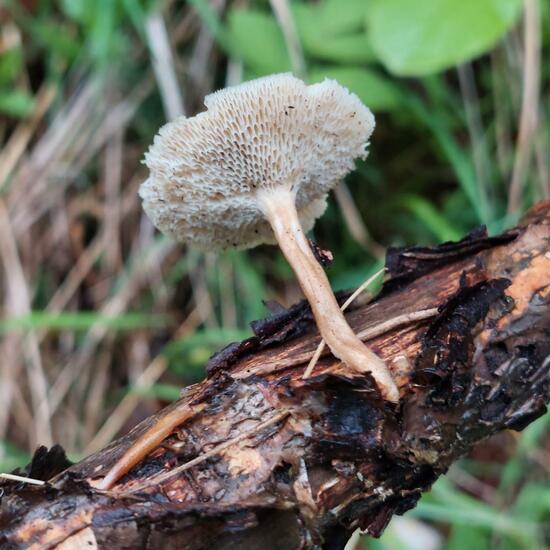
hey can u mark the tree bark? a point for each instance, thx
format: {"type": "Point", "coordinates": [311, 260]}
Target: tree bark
{"type": "Point", "coordinates": [465, 328]}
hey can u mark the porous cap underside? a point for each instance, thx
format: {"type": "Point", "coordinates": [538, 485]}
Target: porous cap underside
{"type": "Point", "coordinates": [275, 131]}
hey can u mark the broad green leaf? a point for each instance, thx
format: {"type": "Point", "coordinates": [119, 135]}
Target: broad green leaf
{"type": "Point", "coordinates": [16, 103]}
{"type": "Point", "coordinates": [258, 41]}
{"type": "Point", "coordinates": [326, 35]}
{"type": "Point", "coordinates": [373, 89]}
{"type": "Point", "coordinates": [422, 37]}
{"type": "Point", "coordinates": [343, 49]}
{"type": "Point", "coordinates": [354, 48]}
{"type": "Point", "coordinates": [340, 16]}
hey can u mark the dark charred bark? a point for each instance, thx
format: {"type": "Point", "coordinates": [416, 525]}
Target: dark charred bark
{"type": "Point", "coordinates": [329, 456]}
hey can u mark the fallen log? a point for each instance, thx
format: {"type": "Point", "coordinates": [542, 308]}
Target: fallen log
{"type": "Point", "coordinates": [278, 461]}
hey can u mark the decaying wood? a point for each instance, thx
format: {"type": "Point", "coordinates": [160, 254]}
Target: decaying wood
{"type": "Point", "coordinates": [465, 328]}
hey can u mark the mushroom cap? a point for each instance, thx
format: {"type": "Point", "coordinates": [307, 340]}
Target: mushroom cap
{"type": "Point", "coordinates": [268, 133]}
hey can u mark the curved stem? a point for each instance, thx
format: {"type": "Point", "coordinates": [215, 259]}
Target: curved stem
{"type": "Point", "coordinates": [279, 208]}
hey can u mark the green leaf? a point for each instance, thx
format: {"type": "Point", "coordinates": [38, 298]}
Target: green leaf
{"type": "Point", "coordinates": [16, 103]}
{"type": "Point", "coordinates": [330, 34]}
{"type": "Point", "coordinates": [258, 41]}
{"type": "Point", "coordinates": [344, 49]}
{"type": "Point", "coordinates": [342, 16]}
{"type": "Point", "coordinates": [422, 37]}
{"type": "Point", "coordinates": [379, 93]}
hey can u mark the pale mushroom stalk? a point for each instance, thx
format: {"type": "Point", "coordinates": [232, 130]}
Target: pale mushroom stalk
{"type": "Point", "coordinates": [279, 207]}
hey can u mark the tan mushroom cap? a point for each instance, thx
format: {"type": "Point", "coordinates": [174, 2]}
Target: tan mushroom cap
{"type": "Point", "coordinates": [261, 135]}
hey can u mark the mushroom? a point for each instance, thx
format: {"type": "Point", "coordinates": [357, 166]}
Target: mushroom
{"type": "Point", "coordinates": [254, 168]}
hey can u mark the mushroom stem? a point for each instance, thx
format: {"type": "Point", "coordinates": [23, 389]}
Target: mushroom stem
{"type": "Point", "coordinates": [279, 208]}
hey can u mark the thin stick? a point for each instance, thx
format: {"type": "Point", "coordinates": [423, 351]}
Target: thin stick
{"type": "Point", "coordinates": [163, 65]}
{"type": "Point", "coordinates": [354, 222]}
{"type": "Point", "coordinates": [528, 120]}
{"type": "Point", "coordinates": [19, 303]}
{"type": "Point", "coordinates": [213, 452]}
{"type": "Point", "coordinates": [470, 100]}
{"type": "Point", "coordinates": [19, 140]}
{"type": "Point", "coordinates": [382, 328]}
{"type": "Point", "coordinates": [29, 480]}
{"type": "Point", "coordinates": [199, 70]}
{"type": "Point", "coordinates": [398, 321]}
{"type": "Point", "coordinates": [344, 306]}
{"type": "Point", "coordinates": [292, 40]}
{"type": "Point", "coordinates": [543, 166]}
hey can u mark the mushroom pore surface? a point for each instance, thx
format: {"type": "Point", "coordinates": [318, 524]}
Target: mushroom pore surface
{"type": "Point", "coordinates": [266, 134]}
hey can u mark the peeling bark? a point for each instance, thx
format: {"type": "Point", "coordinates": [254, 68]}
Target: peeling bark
{"type": "Point", "coordinates": [314, 459]}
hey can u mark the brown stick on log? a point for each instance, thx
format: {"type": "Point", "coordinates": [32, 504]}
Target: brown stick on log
{"type": "Point", "coordinates": [314, 459]}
